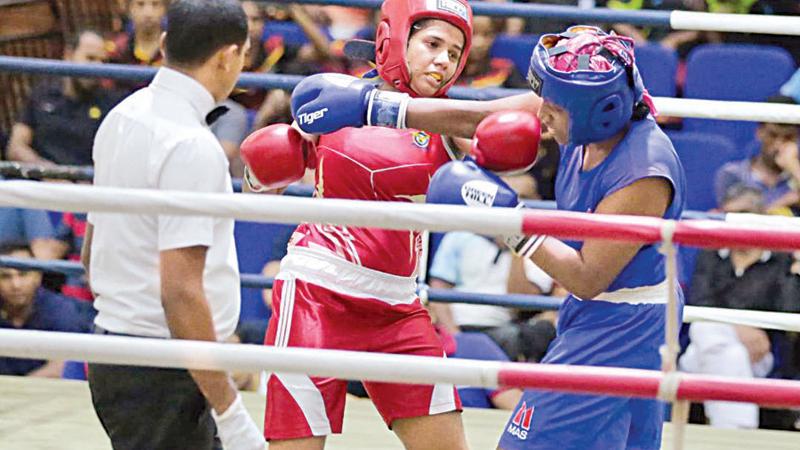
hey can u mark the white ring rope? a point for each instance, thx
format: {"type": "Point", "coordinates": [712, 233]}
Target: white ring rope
{"type": "Point", "coordinates": [389, 215]}
{"type": "Point", "coordinates": [260, 208]}
{"type": "Point", "coordinates": [728, 110]}
{"type": "Point", "coordinates": [390, 368]}
{"type": "Point", "coordinates": [759, 319]}
{"type": "Point", "coordinates": [734, 23]}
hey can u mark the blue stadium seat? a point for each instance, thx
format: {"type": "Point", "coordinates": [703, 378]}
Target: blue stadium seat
{"type": "Point", "coordinates": [257, 244]}
{"type": "Point", "coordinates": [739, 72]}
{"type": "Point", "coordinates": [701, 156]}
{"type": "Point", "coordinates": [516, 48]}
{"type": "Point", "coordinates": [658, 66]}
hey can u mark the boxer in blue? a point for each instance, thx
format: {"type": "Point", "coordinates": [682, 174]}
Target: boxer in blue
{"type": "Point", "coordinates": [614, 160]}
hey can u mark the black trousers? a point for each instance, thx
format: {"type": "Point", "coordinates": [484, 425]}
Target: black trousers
{"type": "Point", "coordinates": [145, 408]}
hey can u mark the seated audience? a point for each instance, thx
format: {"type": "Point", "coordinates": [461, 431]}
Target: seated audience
{"type": "Point", "coordinates": [774, 169]}
{"type": "Point", "coordinates": [25, 305]}
{"type": "Point", "coordinates": [275, 55]}
{"type": "Point", "coordinates": [140, 43]}
{"type": "Point", "coordinates": [61, 117]}
{"type": "Point", "coordinates": [482, 70]}
{"type": "Point", "coordinates": [744, 279]}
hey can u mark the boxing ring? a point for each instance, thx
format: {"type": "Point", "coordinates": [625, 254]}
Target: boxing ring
{"type": "Point", "coordinates": [57, 414]}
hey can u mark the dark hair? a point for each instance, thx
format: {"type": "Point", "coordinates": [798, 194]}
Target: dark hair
{"type": "Point", "coordinates": [72, 40]}
{"type": "Point", "coordinates": [196, 29]}
{"type": "Point", "coordinates": [11, 247]}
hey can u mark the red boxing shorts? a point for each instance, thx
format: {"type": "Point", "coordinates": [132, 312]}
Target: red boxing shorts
{"type": "Point", "coordinates": [322, 301]}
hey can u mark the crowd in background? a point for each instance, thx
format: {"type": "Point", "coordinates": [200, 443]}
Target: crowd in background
{"type": "Point", "coordinates": [61, 115]}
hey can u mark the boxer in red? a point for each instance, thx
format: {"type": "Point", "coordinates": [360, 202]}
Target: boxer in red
{"type": "Point", "coordinates": [354, 288]}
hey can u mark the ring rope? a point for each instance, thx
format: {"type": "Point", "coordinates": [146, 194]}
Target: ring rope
{"type": "Point", "coordinates": [759, 319]}
{"type": "Point", "coordinates": [17, 170]}
{"type": "Point", "coordinates": [676, 20]}
{"type": "Point", "coordinates": [396, 215]}
{"type": "Point", "coordinates": [388, 367]}
{"type": "Point", "coordinates": [676, 107]}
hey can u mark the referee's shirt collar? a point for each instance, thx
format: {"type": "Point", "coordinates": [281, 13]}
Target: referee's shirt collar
{"type": "Point", "coordinates": [187, 88]}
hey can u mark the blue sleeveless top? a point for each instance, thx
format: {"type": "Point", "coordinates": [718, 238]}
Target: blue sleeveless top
{"type": "Point", "coordinates": [644, 152]}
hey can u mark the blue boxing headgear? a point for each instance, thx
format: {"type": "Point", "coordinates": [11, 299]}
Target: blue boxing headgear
{"type": "Point", "coordinates": [591, 75]}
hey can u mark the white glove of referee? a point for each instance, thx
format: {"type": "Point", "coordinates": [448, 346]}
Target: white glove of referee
{"type": "Point", "coordinates": [236, 429]}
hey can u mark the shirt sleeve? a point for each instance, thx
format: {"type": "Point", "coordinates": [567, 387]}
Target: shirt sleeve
{"type": "Point", "coordinates": [196, 165]}
{"type": "Point", "coordinates": [445, 260]}
{"type": "Point", "coordinates": [37, 225]}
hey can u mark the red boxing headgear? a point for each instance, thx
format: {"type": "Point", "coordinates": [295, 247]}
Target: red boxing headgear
{"type": "Point", "coordinates": [391, 38]}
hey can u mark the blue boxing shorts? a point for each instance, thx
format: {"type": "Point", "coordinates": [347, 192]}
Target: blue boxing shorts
{"type": "Point", "coordinates": [604, 334]}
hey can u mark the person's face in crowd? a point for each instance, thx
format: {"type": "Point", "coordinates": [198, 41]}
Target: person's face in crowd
{"type": "Point", "coordinates": [147, 15]}
{"type": "Point", "coordinates": [255, 21]}
{"type": "Point", "coordinates": [90, 49]}
{"type": "Point", "coordinates": [555, 121]}
{"type": "Point", "coordinates": [773, 138]}
{"type": "Point", "coordinates": [17, 287]}
{"type": "Point", "coordinates": [483, 35]}
{"type": "Point", "coordinates": [432, 56]}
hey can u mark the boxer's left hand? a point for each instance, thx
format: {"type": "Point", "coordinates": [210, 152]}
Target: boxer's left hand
{"type": "Point", "coordinates": [464, 183]}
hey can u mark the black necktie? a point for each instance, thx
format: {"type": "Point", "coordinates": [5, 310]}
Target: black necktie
{"type": "Point", "coordinates": [215, 114]}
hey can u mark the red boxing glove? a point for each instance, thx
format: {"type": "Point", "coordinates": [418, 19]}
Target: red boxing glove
{"type": "Point", "coordinates": [275, 157]}
{"type": "Point", "coordinates": [507, 141]}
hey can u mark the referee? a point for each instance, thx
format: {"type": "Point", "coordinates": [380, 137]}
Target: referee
{"type": "Point", "coordinates": [170, 276]}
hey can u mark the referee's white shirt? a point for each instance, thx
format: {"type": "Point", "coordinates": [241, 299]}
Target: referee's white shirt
{"type": "Point", "coordinates": [157, 138]}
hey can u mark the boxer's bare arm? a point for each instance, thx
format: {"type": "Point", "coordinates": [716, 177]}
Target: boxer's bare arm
{"type": "Point", "coordinates": [459, 118]}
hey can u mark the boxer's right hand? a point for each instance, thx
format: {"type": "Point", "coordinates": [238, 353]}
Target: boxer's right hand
{"type": "Point", "coordinates": [275, 157]}
{"type": "Point", "coordinates": [324, 103]}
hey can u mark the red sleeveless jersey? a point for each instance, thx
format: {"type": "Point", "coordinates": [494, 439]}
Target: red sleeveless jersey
{"type": "Point", "coordinates": [373, 163]}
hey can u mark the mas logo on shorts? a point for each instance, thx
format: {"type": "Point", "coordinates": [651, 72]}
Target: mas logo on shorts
{"type": "Point", "coordinates": [421, 139]}
{"type": "Point", "coordinates": [521, 422]}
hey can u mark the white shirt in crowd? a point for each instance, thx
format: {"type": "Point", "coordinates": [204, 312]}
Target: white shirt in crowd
{"type": "Point", "coordinates": [473, 263]}
{"type": "Point", "coordinates": [157, 138]}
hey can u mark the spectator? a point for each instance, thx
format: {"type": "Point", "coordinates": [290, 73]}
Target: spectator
{"type": "Point", "coordinates": [70, 232]}
{"type": "Point", "coordinates": [139, 44]}
{"type": "Point", "coordinates": [482, 70]}
{"type": "Point", "coordinates": [469, 262]}
{"type": "Point", "coordinates": [31, 228]}
{"type": "Point", "coordinates": [59, 121]}
{"type": "Point", "coordinates": [275, 55]}
{"type": "Point", "coordinates": [745, 279]}
{"type": "Point", "coordinates": [774, 169]}
{"type": "Point", "coordinates": [25, 305]}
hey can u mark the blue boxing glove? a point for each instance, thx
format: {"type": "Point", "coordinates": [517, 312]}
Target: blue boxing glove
{"type": "Point", "coordinates": [465, 183]}
{"type": "Point", "coordinates": [327, 102]}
